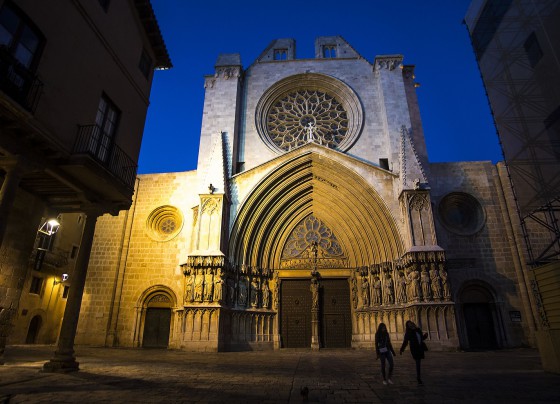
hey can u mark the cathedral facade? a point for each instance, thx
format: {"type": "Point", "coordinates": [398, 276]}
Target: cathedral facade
{"type": "Point", "coordinates": [314, 215]}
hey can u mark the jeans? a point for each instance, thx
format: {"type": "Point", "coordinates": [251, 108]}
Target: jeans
{"type": "Point", "coordinates": [389, 357]}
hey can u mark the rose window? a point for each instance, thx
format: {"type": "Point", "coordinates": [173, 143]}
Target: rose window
{"type": "Point", "coordinates": [164, 223]}
{"type": "Point", "coordinates": [304, 116]}
{"type": "Point", "coordinates": [167, 226]}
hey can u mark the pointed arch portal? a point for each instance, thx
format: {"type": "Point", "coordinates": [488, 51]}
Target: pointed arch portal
{"type": "Point", "coordinates": [313, 185]}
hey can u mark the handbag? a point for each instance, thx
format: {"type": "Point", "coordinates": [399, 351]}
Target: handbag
{"type": "Point", "coordinates": [424, 346]}
{"type": "Point", "coordinates": [383, 350]}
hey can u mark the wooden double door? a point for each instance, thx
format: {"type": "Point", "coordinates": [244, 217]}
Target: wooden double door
{"type": "Point", "coordinates": [335, 327]}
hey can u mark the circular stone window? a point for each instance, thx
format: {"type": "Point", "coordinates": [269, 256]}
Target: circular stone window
{"type": "Point", "coordinates": [164, 223]}
{"type": "Point", "coordinates": [461, 213]}
{"type": "Point", "coordinates": [309, 108]}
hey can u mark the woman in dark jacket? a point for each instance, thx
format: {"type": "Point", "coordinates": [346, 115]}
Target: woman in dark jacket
{"type": "Point", "coordinates": [414, 336]}
{"type": "Point", "coordinates": [384, 350]}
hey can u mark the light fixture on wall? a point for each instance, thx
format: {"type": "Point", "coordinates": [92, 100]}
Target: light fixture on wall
{"type": "Point", "coordinates": [50, 226]}
{"type": "Point", "coordinates": [63, 279]}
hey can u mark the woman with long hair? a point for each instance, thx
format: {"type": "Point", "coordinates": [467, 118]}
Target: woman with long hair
{"type": "Point", "coordinates": [384, 351]}
{"type": "Point", "coordinates": [414, 336]}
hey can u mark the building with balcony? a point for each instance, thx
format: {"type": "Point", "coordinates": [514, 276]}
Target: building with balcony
{"type": "Point", "coordinates": [75, 80]}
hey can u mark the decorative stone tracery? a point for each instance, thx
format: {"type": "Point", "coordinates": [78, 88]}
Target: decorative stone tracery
{"type": "Point", "coordinates": [298, 248]}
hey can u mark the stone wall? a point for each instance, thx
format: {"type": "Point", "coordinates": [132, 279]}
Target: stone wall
{"type": "Point", "coordinates": [137, 251]}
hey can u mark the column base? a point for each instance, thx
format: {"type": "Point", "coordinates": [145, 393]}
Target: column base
{"type": "Point", "coordinates": [61, 364]}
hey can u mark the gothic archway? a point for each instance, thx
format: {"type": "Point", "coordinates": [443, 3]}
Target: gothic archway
{"type": "Point", "coordinates": [479, 317]}
{"type": "Point", "coordinates": [312, 183]}
{"type": "Point", "coordinates": [33, 329]}
{"type": "Point", "coordinates": [155, 317]}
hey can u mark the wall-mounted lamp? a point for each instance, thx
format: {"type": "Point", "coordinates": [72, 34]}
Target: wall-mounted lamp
{"type": "Point", "coordinates": [63, 279]}
{"type": "Point", "coordinates": [50, 226]}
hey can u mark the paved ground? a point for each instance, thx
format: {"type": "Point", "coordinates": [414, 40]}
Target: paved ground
{"type": "Point", "coordinates": [332, 376]}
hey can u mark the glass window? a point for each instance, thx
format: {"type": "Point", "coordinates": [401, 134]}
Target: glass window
{"type": "Point", "coordinates": [103, 134]}
{"type": "Point", "coordinates": [329, 51]}
{"type": "Point", "coordinates": [36, 285]}
{"type": "Point", "coordinates": [74, 252]}
{"type": "Point", "coordinates": [280, 54]}
{"type": "Point", "coordinates": [18, 37]}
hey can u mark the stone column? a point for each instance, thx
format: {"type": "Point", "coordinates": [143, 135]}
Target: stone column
{"type": "Point", "coordinates": [314, 313]}
{"type": "Point", "coordinates": [64, 360]}
{"type": "Point", "coordinates": [14, 173]}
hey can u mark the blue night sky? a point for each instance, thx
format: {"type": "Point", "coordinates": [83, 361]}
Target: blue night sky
{"type": "Point", "coordinates": [430, 34]}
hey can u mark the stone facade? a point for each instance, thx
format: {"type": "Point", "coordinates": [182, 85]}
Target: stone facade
{"type": "Point", "coordinates": [314, 215]}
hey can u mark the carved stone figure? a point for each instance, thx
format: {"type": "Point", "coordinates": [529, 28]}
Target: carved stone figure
{"type": "Point", "coordinates": [242, 292]}
{"type": "Point", "coordinates": [377, 291]}
{"type": "Point", "coordinates": [254, 292]}
{"type": "Point", "coordinates": [401, 289]}
{"type": "Point", "coordinates": [365, 292]}
{"type": "Point", "coordinates": [354, 293]}
{"type": "Point", "coordinates": [275, 297]}
{"type": "Point", "coordinates": [434, 278]}
{"type": "Point", "coordinates": [445, 284]}
{"type": "Point", "coordinates": [265, 294]}
{"type": "Point", "coordinates": [208, 285]}
{"type": "Point", "coordinates": [426, 287]}
{"type": "Point", "coordinates": [388, 290]}
{"type": "Point", "coordinates": [218, 289]}
{"type": "Point", "coordinates": [230, 291]}
{"type": "Point", "coordinates": [413, 286]}
{"type": "Point", "coordinates": [314, 294]}
{"type": "Point", "coordinates": [198, 285]}
{"type": "Point", "coordinates": [189, 280]}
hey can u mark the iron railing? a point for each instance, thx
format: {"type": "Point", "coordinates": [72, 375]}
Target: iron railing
{"type": "Point", "coordinates": [18, 82]}
{"type": "Point", "coordinates": [92, 140]}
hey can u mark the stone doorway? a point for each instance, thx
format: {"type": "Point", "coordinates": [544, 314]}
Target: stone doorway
{"type": "Point", "coordinates": [478, 314]}
{"type": "Point", "coordinates": [33, 330]}
{"type": "Point", "coordinates": [156, 328]}
{"type": "Point", "coordinates": [480, 326]}
{"type": "Point", "coordinates": [335, 328]}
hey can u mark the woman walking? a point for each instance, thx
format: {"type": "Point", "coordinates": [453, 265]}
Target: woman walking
{"type": "Point", "coordinates": [414, 335]}
{"type": "Point", "coordinates": [384, 351]}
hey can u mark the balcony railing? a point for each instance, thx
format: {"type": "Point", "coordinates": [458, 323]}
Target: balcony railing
{"type": "Point", "coordinates": [18, 82]}
{"type": "Point", "coordinates": [91, 140]}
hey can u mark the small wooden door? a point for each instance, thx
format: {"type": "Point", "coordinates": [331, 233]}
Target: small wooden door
{"type": "Point", "coordinates": [480, 326]}
{"type": "Point", "coordinates": [156, 328]}
{"type": "Point", "coordinates": [33, 330]}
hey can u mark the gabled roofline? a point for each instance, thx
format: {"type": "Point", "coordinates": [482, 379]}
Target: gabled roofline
{"type": "Point", "coordinates": [151, 27]}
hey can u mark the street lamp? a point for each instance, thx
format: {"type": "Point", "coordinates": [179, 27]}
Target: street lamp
{"type": "Point", "coordinates": [50, 226]}
{"type": "Point", "coordinates": [63, 279]}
